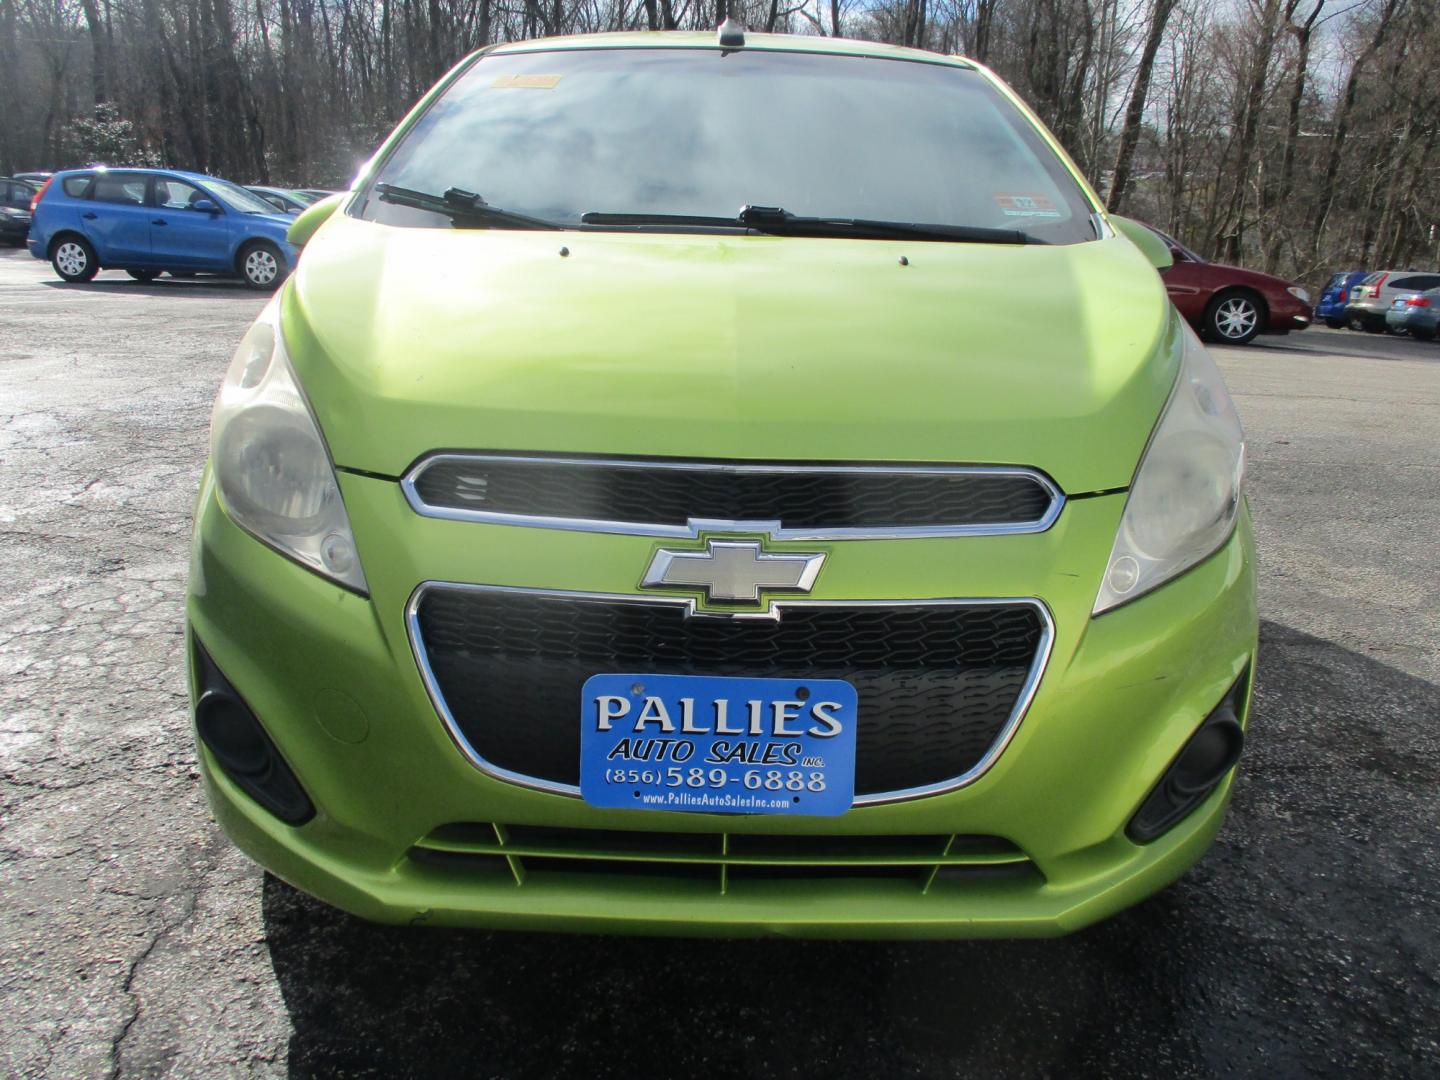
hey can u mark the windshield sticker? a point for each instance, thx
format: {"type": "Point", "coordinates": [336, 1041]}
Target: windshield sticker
{"type": "Point", "coordinates": [1026, 206]}
{"type": "Point", "coordinates": [526, 82]}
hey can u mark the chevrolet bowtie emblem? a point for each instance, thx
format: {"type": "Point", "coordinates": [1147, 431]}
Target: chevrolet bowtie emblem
{"type": "Point", "coordinates": [733, 571]}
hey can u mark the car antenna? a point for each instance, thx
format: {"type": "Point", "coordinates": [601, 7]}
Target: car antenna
{"type": "Point", "coordinates": [731, 34]}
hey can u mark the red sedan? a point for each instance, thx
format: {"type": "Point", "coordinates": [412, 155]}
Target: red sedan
{"type": "Point", "coordinates": [1229, 305]}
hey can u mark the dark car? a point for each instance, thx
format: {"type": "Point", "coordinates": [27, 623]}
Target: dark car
{"type": "Point", "coordinates": [1228, 304]}
{"type": "Point", "coordinates": [15, 197]}
{"type": "Point", "coordinates": [1336, 295]}
{"type": "Point", "coordinates": [286, 200]}
{"type": "Point", "coordinates": [147, 221]}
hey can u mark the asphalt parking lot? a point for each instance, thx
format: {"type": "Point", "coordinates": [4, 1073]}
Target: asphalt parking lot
{"type": "Point", "coordinates": [135, 942]}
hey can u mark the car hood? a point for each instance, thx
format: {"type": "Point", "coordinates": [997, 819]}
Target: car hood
{"type": "Point", "coordinates": [277, 220]}
{"type": "Point", "coordinates": [731, 347]}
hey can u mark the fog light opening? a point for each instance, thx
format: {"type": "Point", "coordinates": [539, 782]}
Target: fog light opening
{"type": "Point", "coordinates": [231, 733]}
{"type": "Point", "coordinates": [1208, 756]}
{"type": "Point", "coordinates": [241, 747]}
{"type": "Point", "coordinates": [1203, 762]}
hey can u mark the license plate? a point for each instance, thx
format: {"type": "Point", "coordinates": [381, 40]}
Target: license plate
{"type": "Point", "coordinates": [704, 744]}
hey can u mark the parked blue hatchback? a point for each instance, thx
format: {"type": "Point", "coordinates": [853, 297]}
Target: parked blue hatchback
{"type": "Point", "coordinates": [1335, 296]}
{"type": "Point", "coordinates": [149, 221]}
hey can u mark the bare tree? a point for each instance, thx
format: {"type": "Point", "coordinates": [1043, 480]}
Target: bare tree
{"type": "Point", "coordinates": [1135, 112]}
{"type": "Point", "coordinates": [1211, 115]}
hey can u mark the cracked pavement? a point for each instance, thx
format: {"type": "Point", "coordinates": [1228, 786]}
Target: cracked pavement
{"type": "Point", "coordinates": [135, 942]}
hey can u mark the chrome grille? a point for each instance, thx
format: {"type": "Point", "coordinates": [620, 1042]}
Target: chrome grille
{"type": "Point", "coordinates": [673, 498]}
{"type": "Point", "coordinates": [941, 683]}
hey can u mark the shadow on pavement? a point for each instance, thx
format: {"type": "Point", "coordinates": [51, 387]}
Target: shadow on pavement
{"type": "Point", "coordinates": [165, 286]}
{"type": "Point", "coordinates": [1302, 944]}
{"type": "Point", "coordinates": [1327, 345]}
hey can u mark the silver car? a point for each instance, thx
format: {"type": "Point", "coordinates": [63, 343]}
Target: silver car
{"type": "Point", "coordinates": [1370, 300]}
{"type": "Point", "coordinates": [1416, 314]}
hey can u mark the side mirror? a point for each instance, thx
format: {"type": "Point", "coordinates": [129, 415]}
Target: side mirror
{"type": "Point", "coordinates": [1153, 248]}
{"type": "Point", "coordinates": [205, 206]}
{"type": "Point", "coordinates": [310, 219]}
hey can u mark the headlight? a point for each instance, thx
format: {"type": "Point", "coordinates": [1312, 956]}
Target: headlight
{"type": "Point", "coordinates": [1186, 493]}
{"type": "Point", "coordinates": [1303, 295]}
{"type": "Point", "coordinates": [270, 461]}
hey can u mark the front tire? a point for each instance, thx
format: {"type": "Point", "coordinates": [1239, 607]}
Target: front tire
{"type": "Point", "coordinates": [1233, 318]}
{"type": "Point", "coordinates": [74, 259]}
{"type": "Point", "coordinates": [143, 275]}
{"type": "Point", "coordinates": [1336, 324]}
{"type": "Point", "coordinates": [261, 265]}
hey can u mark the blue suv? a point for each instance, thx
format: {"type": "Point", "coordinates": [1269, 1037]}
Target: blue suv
{"type": "Point", "coordinates": [1335, 296]}
{"type": "Point", "coordinates": [148, 221]}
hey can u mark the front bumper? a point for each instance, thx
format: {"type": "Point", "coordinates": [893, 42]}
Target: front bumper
{"type": "Point", "coordinates": [332, 677]}
{"type": "Point", "coordinates": [1288, 314]}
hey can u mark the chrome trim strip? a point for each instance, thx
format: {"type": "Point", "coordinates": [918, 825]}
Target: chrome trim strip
{"type": "Point", "coordinates": [696, 527]}
{"type": "Point", "coordinates": [1007, 733]}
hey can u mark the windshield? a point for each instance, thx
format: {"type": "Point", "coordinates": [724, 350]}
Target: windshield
{"type": "Point", "coordinates": [701, 133]}
{"type": "Point", "coordinates": [1171, 242]}
{"type": "Point", "coordinates": [237, 198]}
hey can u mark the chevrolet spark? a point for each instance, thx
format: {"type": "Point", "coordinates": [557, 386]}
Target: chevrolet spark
{"type": "Point", "coordinates": [722, 485]}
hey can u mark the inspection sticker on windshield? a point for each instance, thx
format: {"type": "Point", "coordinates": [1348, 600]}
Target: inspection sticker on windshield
{"type": "Point", "coordinates": [1026, 205]}
{"type": "Point", "coordinates": [525, 82]}
{"type": "Point", "coordinates": [707, 744]}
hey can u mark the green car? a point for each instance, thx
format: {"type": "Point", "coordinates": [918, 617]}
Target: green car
{"type": "Point", "coordinates": [722, 485]}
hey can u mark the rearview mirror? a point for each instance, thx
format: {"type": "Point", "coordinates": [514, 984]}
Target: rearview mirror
{"type": "Point", "coordinates": [1153, 248]}
{"type": "Point", "coordinates": [304, 226]}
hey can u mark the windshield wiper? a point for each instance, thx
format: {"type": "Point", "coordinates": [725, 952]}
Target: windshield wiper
{"type": "Point", "coordinates": [464, 208]}
{"type": "Point", "coordinates": [640, 221]}
{"type": "Point", "coordinates": [773, 219]}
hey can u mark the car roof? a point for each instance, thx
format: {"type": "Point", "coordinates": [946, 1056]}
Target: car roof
{"type": "Point", "coordinates": [181, 173]}
{"type": "Point", "coordinates": [675, 39]}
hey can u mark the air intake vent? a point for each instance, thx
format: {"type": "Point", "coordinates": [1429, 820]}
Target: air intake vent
{"type": "Point", "coordinates": [941, 684]}
{"type": "Point", "coordinates": [725, 861]}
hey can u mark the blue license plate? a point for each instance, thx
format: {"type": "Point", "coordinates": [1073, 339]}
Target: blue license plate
{"type": "Point", "coordinates": [705, 744]}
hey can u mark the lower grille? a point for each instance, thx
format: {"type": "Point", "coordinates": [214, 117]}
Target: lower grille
{"type": "Point", "coordinates": [941, 684]}
{"type": "Point", "coordinates": [722, 861]}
